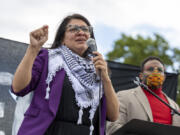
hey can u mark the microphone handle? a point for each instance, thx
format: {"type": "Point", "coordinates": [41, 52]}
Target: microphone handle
{"type": "Point", "coordinates": [100, 90]}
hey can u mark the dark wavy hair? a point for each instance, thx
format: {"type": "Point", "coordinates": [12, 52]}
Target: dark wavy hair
{"type": "Point", "coordinates": [62, 28]}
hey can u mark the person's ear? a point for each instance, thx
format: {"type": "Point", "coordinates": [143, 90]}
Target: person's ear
{"type": "Point", "coordinates": [164, 74]}
{"type": "Point", "coordinates": [62, 41]}
{"type": "Point", "coordinates": [164, 77]}
{"type": "Point", "coordinates": [141, 76]}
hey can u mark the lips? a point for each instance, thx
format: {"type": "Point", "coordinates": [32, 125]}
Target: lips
{"type": "Point", "coordinates": [80, 38]}
{"type": "Point", "coordinates": [81, 41]}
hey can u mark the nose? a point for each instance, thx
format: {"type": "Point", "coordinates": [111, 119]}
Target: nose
{"type": "Point", "coordinates": [155, 69]}
{"type": "Point", "coordinates": [80, 31]}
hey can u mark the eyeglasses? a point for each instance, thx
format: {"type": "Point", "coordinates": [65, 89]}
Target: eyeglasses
{"type": "Point", "coordinates": [76, 29]}
{"type": "Point", "coordinates": [157, 69]}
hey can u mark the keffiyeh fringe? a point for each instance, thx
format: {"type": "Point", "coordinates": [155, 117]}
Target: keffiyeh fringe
{"type": "Point", "coordinates": [81, 73]}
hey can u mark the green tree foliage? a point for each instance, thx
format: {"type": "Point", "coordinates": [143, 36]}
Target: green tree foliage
{"type": "Point", "coordinates": [134, 50]}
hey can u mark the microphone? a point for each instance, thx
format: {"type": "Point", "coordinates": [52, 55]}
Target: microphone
{"type": "Point", "coordinates": [91, 43]}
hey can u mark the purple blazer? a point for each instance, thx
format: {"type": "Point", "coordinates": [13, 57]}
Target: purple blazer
{"type": "Point", "coordinates": [42, 112]}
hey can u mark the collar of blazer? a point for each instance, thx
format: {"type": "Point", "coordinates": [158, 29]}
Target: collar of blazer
{"type": "Point", "coordinates": [140, 95]}
{"type": "Point", "coordinates": [145, 103]}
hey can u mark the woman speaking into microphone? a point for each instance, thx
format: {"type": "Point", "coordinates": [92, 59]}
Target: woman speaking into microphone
{"type": "Point", "coordinates": [65, 83]}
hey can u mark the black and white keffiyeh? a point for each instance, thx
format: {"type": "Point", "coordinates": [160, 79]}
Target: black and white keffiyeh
{"type": "Point", "coordinates": [81, 73]}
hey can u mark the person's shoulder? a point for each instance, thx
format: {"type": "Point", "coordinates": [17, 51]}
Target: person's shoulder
{"type": "Point", "coordinates": [172, 102]}
{"type": "Point", "coordinates": [125, 95]}
{"type": "Point", "coordinates": [42, 55]}
{"type": "Point", "coordinates": [41, 58]}
{"type": "Point", "coordinates": [127, 91]}
{"type": "Point", "coordinates": [43, 52]}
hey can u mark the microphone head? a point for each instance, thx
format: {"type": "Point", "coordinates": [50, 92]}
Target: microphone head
{"type": "Point", "coordinates": [91, 43]}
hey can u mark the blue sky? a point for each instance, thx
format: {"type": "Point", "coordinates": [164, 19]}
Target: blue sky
{"type": "Point", "coordinates": [105, 37]}
{"type": "Point", "coordinates": [109, 18]}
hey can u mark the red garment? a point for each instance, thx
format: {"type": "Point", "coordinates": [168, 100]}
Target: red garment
{"type": "Point", "coordinates": [161, 113]}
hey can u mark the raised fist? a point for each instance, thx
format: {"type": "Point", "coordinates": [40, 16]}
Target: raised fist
{"type": "Point", "coordinates": [39, 37]}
